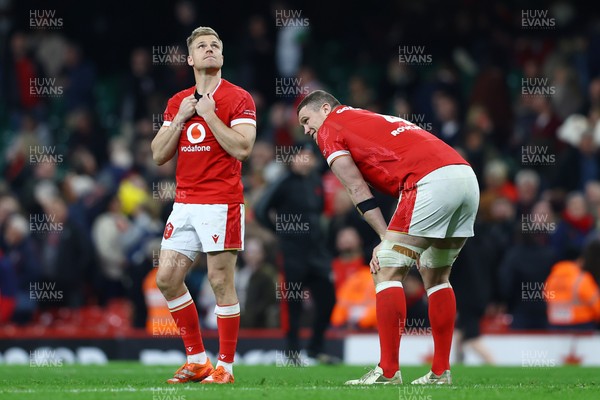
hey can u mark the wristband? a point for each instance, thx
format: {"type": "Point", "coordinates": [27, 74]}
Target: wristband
{"type": "Point", "coordinates": [366, 205]}
{"type": "Point", "coordinates": [197, 95]}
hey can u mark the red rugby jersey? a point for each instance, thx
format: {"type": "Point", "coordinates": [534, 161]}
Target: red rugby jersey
{"type": "Point", "coordinates": [390, 152]}
{"type": "Point", "coordinates": [206, 173]}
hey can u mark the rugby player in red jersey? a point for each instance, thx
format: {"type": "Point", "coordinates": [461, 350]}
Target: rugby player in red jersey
{"type": "Point", "coordinates": [212, 128]}
{"type": "Point", "coordinates": [438, 197]}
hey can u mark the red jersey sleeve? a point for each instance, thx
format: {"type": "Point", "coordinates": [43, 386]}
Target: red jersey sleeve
{"type": "Point", "coordinates": [245, 111]}
{"type": "Point", "coordinates": [171, 110]}
{"type": "Point", "coordinates": [331, 143]}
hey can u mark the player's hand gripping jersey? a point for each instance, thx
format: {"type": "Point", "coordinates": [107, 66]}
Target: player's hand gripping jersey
{"type": "Point", "coordinates": [206, 173]}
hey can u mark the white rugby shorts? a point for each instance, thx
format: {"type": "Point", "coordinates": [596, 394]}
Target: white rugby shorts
{"type": "Point", "coordinates": [194, 228]}
{"type": "Point", "coordinates": [443, 204]}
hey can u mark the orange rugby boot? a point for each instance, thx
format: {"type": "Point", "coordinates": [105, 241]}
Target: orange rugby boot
{"type": "Point", "coordinates": [191, 372]}
{"type": "Point", "coordinates": [220, 376]}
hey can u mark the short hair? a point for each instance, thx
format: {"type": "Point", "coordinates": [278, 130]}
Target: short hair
{"type": "Point", "coordinates": [203, 31]}
{"type": "Point", "coordinates": [316, 99]}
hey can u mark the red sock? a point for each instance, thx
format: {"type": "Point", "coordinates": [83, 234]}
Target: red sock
{"type": "Point", "coordinates": [185, 315]}
{"type": "Point", "coordinates": [442, 312]}
{"type": "Point", "coordinates": [391, 313]}
{"type": "Point", "coordinates": [228, 323]}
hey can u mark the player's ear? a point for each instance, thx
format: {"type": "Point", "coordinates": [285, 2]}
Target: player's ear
{"type": "Point", "coordinates": [190, 61]}
{"type": "Point", "coordinates": [326, 107]}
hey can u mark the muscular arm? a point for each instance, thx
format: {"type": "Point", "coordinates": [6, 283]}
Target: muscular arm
{"type": "Point", "coordinates": [347, 172]}
{"type": "Point", "coordinates": [165, 142]}
{"type": "Point", "coordinates": [236, 141]}
{"type": "Point", "coordinates": [164, 145]}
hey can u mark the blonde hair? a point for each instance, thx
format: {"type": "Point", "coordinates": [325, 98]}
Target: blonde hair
{"type": "Point", "coordinates": [203, 31]}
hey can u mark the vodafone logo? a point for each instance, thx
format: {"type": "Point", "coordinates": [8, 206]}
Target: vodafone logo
{"type": "Point", "coordinates": [196, 133]}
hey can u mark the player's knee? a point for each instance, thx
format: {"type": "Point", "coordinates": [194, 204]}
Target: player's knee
{"type": "Point", "coordinates": [218, 280]}
{"type": "Point", "coordinates": [397, 255]}
{"type": "Point", "coordinates": [164, 281]}
{"type": "Point", "coordinates": [438, 258]}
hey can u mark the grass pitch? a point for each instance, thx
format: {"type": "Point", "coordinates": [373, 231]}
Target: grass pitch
{"type": "Point", "coordinates": [131, 380]}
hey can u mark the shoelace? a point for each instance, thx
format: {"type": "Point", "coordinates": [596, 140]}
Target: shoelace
{"type": "Point", "coordinates": [367, 375]}
{"type": "Point", "coordinates": [219, 373]}
{"type": "Point", "coordinates": [429, 378]}
{"type": "Point", "coordinates": [183, 372]}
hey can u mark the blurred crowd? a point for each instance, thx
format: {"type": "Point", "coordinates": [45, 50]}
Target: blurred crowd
{"type": "Point", "coordinates": [83, 206]}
